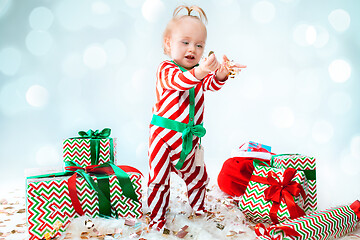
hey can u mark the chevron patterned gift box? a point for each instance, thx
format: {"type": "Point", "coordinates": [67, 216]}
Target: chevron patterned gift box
{"type": "Point", "coordinates": [308, 166]}
{"type": "Point", "coordinates": [273, 195]}
{"type": "Point", "coordinates": [91, 148]}
{"type": "Point", "coordinates": [321, 225]}
{"type": "Point", "coordinates": [49, 202]}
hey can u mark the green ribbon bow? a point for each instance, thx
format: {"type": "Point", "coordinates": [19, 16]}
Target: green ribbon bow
{"type": "Point", "coordinates": [96, 134]}
{"type": "Point", "coordinates": [95, 138]}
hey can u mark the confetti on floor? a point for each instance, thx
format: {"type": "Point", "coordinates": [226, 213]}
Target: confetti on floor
{"type": "Point", "coordinates": [224, 220]}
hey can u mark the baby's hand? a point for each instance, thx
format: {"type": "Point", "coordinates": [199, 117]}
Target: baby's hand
{"type": "Point", "coordinates": [228, 68]}
{"type": "Point", "coordinates": [206, 66]}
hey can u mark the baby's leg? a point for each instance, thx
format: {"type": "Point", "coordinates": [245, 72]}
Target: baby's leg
{"type": "Point", "coordinates": [159, 182]}
{"type": "Point", "coordinates": [196, 179]}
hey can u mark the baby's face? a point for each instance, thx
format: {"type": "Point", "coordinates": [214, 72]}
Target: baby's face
{"type": "Point", "coordinates": [187, 42]}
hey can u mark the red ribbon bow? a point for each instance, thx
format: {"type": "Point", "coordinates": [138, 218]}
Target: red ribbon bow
{"type": "Point", "coordinates": [261, 230]}
{"type": "Point", "coordinates": [278, 190]}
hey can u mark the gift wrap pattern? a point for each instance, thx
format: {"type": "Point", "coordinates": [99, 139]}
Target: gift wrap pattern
{"type": "Point", "coordinates": [331, 223]}
{"type": "Point", "coordinates": [78, 150]}
{"type": "Point", "coordinates": [300, 162]}
{"type": "Point", "coordinates": [48, 202]}
{"type": "Point", "coordinates": [253, 203]}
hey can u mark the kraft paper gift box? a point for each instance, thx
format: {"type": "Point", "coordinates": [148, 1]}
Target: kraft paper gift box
{"type": "Point", "coordinates": [308, 166]}
{"type": "Point", "coordinates": [320, 225]}
{"type": "Point", "coordinates": [53, 200]}
{"type": "Point", "coordinates": [90, 148]}
{"type": "Point", "coordinates": [273, 195]}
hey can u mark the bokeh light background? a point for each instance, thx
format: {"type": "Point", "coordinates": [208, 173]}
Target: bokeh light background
{"type": "Point", "coordinates": [70, 65]}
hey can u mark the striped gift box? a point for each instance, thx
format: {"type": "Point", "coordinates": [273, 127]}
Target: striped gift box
{"type": "Point", "coordinates": [308, 166]}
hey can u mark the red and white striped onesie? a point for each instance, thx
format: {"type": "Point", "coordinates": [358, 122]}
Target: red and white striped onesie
{"type": "Point", "coordinates": [165, 145]}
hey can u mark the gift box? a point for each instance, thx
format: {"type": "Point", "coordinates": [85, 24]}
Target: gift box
{"type": "Point", "coordinates": [328, 224]}
{"type": "Point", "coordinates": [54, 199]}
{"type": "Point", "coordinates": [273, 195]}
{"type": "Point", "coordinates": [308, 166]}
{"type": "Point", "coordinates": [253, 150]}
{"type": "Point", "coordinates": [90, 148]}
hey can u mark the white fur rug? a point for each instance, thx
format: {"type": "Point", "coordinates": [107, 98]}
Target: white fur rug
{"type": "Point", "coordinates": [227, 222]}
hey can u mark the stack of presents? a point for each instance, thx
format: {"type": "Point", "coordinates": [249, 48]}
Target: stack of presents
{"type": "Point", "coordinates": [91, 185]}
{"type": "Point", "coordinates": [278, 193]}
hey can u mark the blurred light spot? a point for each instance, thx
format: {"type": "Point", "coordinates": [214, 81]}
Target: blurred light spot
{"type": "Point", "coordinates": [350, 164]}
{"type": "Point", "coordinates": [311, 35]}
{"type": "Point", "coordinates": [355, 146]}
{"type": "Point", "coordinates": [41, 18]}
{"type": "Point", "coordinates": [10, 61]}
{"type": "Point", "coordinates": [263, 12]}
{"type": "Point", "coordinates": [37, 96]}
{"type": "Point", "coordinates": [47, 155]}
{"type": "Point", "coordinates": [322, 37]}
{"type": "Point", "coordinates": [339, 70]}
{"type": "Point", "coordinates": [339, 103]}
{"type": "Point", "coordinates": [95, 57]}
{"type": "Point", "coordinates": [4, 6]}
{"type": "Point", "coordinates": [252, 88]}
{"type": "Point", "coordinates": [73, 66]}
{"type": "Point", "coordinates": [100, 8]}
{"type": "Point", "coordinates": [322, 131]}
{"type": "Point", "coordinates": [39, 42]}
{"type": "Point", "coordinates": [152, 9]}
{"type": "Point", "coordinates": [283, 117]}
{"type": "Point", "coordinates": [305, 35]}
{"type": "Point", "coordinates": [115, 50]}
{"type": "Point", "coordinates": [73, 15]}
{"type": "Point", "coordinates": [339, 20]}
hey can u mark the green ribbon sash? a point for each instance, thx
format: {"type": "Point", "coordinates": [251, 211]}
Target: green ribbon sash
{"type": "Point", "coordinates": [188, 130]}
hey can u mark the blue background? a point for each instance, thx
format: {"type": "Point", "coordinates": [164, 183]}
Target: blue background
{"type": "Point", "coordinates": [69, 65]}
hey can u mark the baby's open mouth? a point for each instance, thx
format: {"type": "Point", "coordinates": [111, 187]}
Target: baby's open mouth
{"type": "Point", "coordinates": [190, 57]}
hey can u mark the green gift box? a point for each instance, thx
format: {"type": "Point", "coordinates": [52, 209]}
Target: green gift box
{"type": "Point", "coordinates": [90, 148]}
{"type": "Point", "coordinates": [54, 199]}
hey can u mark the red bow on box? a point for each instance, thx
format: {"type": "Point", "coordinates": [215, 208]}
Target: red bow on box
{"type": "Point", "coordinates": [278, 190]}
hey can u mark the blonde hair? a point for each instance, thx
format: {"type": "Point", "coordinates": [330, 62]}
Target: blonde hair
{"type": "Point", "coordinates": [176, 18]}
